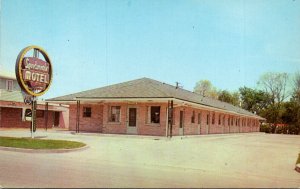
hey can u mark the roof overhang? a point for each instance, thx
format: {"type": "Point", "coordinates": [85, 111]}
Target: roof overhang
{"type": "Point", "coordinates": [179, 102]}
{"type": "Point", "coordinates": [192, 104]}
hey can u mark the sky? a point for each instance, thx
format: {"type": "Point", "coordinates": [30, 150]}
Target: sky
{"type": "Point", "coordinates": [97, 43]}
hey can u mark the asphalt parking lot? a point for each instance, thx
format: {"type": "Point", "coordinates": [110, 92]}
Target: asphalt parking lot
{"type": "Point", "coordinates": [236, 160]}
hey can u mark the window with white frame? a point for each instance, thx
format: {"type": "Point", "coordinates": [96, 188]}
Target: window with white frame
{"type": "Point", "coordinates": [87, 112]}
{"type": "Point", "coordinates": [115, 114]}
{"type": "Point", "coordinates": [153, 114]}
{"type": "Point", "coordinates": [9, 85]}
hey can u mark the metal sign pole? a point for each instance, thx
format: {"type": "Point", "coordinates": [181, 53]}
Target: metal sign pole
{"type": "Point", "coordinates": [31, 129]}
{"type": "Point", "coordinates": [33, 118]}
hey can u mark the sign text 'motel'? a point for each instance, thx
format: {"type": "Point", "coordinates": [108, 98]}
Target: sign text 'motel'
{"type": "Point", "coordinates": [36, 72]}
{"type": "Point", "coordinates": [34, 75]}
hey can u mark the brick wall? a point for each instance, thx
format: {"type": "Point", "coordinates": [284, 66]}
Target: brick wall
{"type": "Point", "coordinates": [91, 124]}
{"type": "Point", "coordinates": [64, 119]}
{"type": "Point", "coordinates": [12, 117]}
{"type": "Point", "coordinates": [99, 121]}
{"type": "Point", "coordinates": [145, 128]}
{"type": "Point", "coordinates": [113, 127]}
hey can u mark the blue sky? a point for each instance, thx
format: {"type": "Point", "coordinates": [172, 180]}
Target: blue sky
{"type": "Point", "coordinates": [96, 43]}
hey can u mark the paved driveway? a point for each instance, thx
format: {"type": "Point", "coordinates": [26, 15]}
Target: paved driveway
{"type": "Point", "coordinates": [237, 160]}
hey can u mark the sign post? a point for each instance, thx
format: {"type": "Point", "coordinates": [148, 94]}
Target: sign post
{"type": "Point", "coordinates": [34, 75]}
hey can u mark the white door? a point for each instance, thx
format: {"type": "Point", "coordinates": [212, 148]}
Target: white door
{"type": "Point", "coordinates": [132, 120]}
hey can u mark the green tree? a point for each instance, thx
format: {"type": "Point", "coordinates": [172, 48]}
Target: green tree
{"type": "Point", "coordinates": [275, 85]}
{"type": "Point", "coordinates": [205, 88]}
{"type": "Point", "coordinates": [254, 100]}
{"type": "Point", "coordinates": [291, 116]}
{"type": "Point", "coordinates": [226, 96]}
{"type": "Point", "coordinates": [296, 90]}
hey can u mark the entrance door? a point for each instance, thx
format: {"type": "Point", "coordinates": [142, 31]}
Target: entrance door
{"type": "Point", "coordinates": [132, 123]}
{"type": "Point", "coordinates": [181, 123]}
{"type": "Point", "coordinates": [56, 119]}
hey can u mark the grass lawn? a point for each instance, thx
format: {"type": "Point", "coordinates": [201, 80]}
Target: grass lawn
{"type": "Point", "coordinates": [29, 143]}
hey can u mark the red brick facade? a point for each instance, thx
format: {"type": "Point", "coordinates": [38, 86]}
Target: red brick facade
{"type": "Point", "coordinates": [219, 122]}
{"type": "Point", "coordinates": [11, 116]}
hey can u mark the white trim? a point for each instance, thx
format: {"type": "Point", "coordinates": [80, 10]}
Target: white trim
{"type": "Point", "coordinates": [7, 85]}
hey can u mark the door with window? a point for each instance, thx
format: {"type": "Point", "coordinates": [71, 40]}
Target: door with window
{"type": "Point", "coordinates": [132, 120]}
{"type": "Point", "coordinates": [181, 122]}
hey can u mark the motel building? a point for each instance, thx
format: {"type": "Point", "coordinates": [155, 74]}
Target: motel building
{"type": "Point", "coordinates": [13, 108]}
{"type": "Point", "coordinates": [149, 107]}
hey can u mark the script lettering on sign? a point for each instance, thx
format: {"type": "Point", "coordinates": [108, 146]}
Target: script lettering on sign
{"type": "Point", "coordinates": [36, 72]}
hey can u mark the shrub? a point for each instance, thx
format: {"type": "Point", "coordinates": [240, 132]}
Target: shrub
{"type": "Point", "coordinates": [265, 128]}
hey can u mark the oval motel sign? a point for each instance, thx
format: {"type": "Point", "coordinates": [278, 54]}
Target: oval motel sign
{"type": "Point", "coordinates": [34, 74]}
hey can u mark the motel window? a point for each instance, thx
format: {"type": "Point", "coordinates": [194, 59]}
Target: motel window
{"type": "Point", "coordinates": [219, 119]}
{"type": "Point", "coordinates": [115, 114]}
{"type": "Point", "coordinates": [213, 118]}
{"type": "Point", "coordinates": [9, 85]}
{"type": "Point", "coordinates": [39, 113]}
{"type": "Point", "coordinates": [199, 118]}
{"type": "Point", "coordinates": [154, 114]}
{"type": "Point", "coordinates": [87, 111]}
{"type": "Point", "coordinates": [193, 117]}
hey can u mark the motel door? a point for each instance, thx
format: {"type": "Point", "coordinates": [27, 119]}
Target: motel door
{"type": "Point", "coordinates": [56, 119]}
{"type": "Point", "coordinates": [132, 120]}
{"type": "Point", "coordinates": [181, 123]}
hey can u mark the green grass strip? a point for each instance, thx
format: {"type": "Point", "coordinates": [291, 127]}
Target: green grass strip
{"type": "Point", "coordinates": [29, 143]}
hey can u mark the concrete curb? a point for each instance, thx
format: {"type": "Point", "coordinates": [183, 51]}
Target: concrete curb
{"type": "Point", "coordinates": [120, 135]}
{"type": "Point", "coordinates": [164, 137]}
{"type": "Point", "coordinates": [297, 168]}
{"type": "Point", "coordinates": [11, 149]}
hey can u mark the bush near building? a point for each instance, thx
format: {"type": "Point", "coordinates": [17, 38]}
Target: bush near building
{"type": "Point", "coordinates": [286, 129]}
